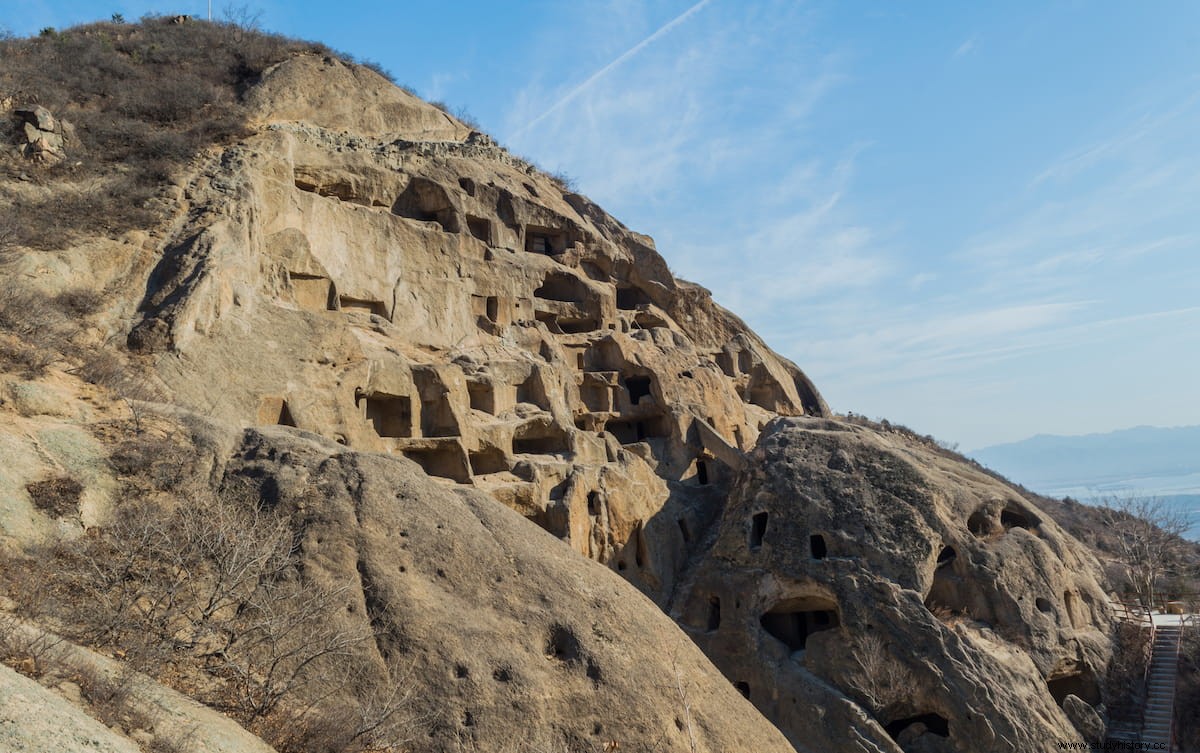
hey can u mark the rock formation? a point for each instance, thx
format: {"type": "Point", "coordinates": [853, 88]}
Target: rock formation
{"type": "Point", "coordinates": [859, 571]}
{"type": "Point", "coordinates": [419, 349]}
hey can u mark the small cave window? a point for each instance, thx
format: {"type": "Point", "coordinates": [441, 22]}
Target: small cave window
{"type": "Point", "coordinates": [702, 472]}
{"type": "Point", "coordinates": [816, 545]}
{"type": "Point", "coordinates": [593, 503]}
{"type": "Point", "coordinates": [480, 227]}
{"type": "Point", "coordinates": [714, 613]}
{"type": "Point", "coordinates": [639, 387]}
{"type": "Point", "coordinates": [493, 308]}
{"type": "Point", "coordinates": [1044, 605]}
{"type": "Point", "coordinates": [979, 524]}
{"type": "Point", "coordinates": [743, 688]}
{"type": "Point", "coordinates": [758, 529]}
{"type": "Point", "coordinates": [362, 306]}
{"type": "Point", "coordinates": [1011, 517]}
{"type": "Point", "coordinates": [946, 556]}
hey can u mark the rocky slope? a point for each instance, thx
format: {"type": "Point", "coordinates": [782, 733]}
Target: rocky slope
{"type": "Point", "coordinates": [418, 350]}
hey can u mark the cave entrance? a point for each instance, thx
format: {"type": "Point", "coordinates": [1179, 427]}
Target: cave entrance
{"type": "Point", "coordinates": [541, 438]}
{"type": "Point", "coordinates": [446, 460]}
{"type": "Point", "coordinates": [714, 613]}
{"type": "Point", "coordinates": [564, 288]}
{"type": "Point", "coordinates": [905, 731]}
{"type": "Point", "coordinates": [482, 396]}
{"type": "Point", "coordinates": [480, 227]}
{"type": "Point", "coordinates": [545, 240]}
{"type": "Point", "coordinates": [758, 529]}
{"type": "Point", "coordinates": [638, 387]}
{"type": "Point", "coordinates": [792, 621]}
{"type": "Point", "coordinates": [816, 545]}
{"type": "Point", "coordinates": [389, 415]}
{"type": "Point", "coordinates": [1081, 684]}
{"type": "Point", "coordinates": [628, 299]}
{"type": "Point", "coordinates": [631, 431]}
{"type": "Point", "coordinates": [979, 524]}
{"type": "Point", "coordinates": [488, 460]}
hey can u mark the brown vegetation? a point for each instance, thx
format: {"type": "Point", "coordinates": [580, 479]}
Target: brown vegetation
{"type": "Point", "coordinates": [144, 100]}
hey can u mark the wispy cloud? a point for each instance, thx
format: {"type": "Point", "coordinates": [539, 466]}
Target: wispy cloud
{"type": "Point", "coordinates": [967, 47]}
{"type": "Point", "coordinates": [623, 57]}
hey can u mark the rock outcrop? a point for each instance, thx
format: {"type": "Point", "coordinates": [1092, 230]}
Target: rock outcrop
{"type": "Point", "coordinates": [44, 138]}
{"type": "Point", "coordinates": [420, 350]}
{"type": "Point", "coordinates": [859, 571]}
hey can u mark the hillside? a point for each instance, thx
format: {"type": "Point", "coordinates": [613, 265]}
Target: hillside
{"type": "Point", "coordinates": [343, 421]}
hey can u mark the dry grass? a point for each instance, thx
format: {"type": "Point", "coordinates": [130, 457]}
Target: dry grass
{"type": "Point", "coordinates": [144, 99]}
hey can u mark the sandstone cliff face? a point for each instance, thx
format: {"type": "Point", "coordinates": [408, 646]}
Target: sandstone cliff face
{"type": "Point", "coordinates": [440, 300]}
{"type": "Point", "coordinates": [396, 330]}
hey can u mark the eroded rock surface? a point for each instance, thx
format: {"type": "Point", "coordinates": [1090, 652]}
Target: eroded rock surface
{"type": "Point", "coordinates": [862, 574]}
{"type": "Point", "coordinates": [442, 300]}
{"type": "Point", "coordinates": [34, 719]}
{"type": "Point", "coordinates": [505, 634]}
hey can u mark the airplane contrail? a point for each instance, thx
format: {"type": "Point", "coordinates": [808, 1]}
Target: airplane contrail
{"type": "Point", "coordinates": [662, 30]}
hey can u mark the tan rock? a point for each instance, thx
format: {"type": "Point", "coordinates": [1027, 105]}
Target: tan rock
{"type": "Point", "coordinates": [861, 576]}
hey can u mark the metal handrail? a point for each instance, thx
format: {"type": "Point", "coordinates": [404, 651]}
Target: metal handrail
{"type": "Point", "coordinates": [1184, 621]}
{"type": "Point", "coordinates": [1142, 616]}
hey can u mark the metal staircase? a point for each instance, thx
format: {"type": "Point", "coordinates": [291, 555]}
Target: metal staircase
{"type": "Point", "coordinates": [1159, 711]}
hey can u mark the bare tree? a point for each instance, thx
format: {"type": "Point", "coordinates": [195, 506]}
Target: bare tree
{"type": "Point", "coordinates": [882, 679]}
{"type": "Point", "coordinates": [1147, 534]}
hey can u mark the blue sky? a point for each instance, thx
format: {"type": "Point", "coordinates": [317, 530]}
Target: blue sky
{"type": "Point", "coordinates": [980, 220]}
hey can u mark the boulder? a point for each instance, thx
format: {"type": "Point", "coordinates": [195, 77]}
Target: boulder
{"type": "Point", "coordinates": [1085, 718]}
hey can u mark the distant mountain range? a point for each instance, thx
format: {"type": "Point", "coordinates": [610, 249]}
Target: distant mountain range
{"type": "Point", "coordinates": [1145, 461]}
{"type": "Point", "coordinates": [1046, 463]}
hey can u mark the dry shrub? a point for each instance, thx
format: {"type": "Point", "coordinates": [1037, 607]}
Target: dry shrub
{"type": "Point", "coordinates": [210, 580]}
{"type": "Point", "coordinates": [79, 302]}
{"type": "Point", "coordinates": [1125, 677]}
{"type": "Point", "coordinates": [151, 461]}
{"type": "Point", "coordinates": [882, 680]}
{"type": "Point", "coordinates": [144, 99]}
{"type": "Point", "coordinates": [57, 497]}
